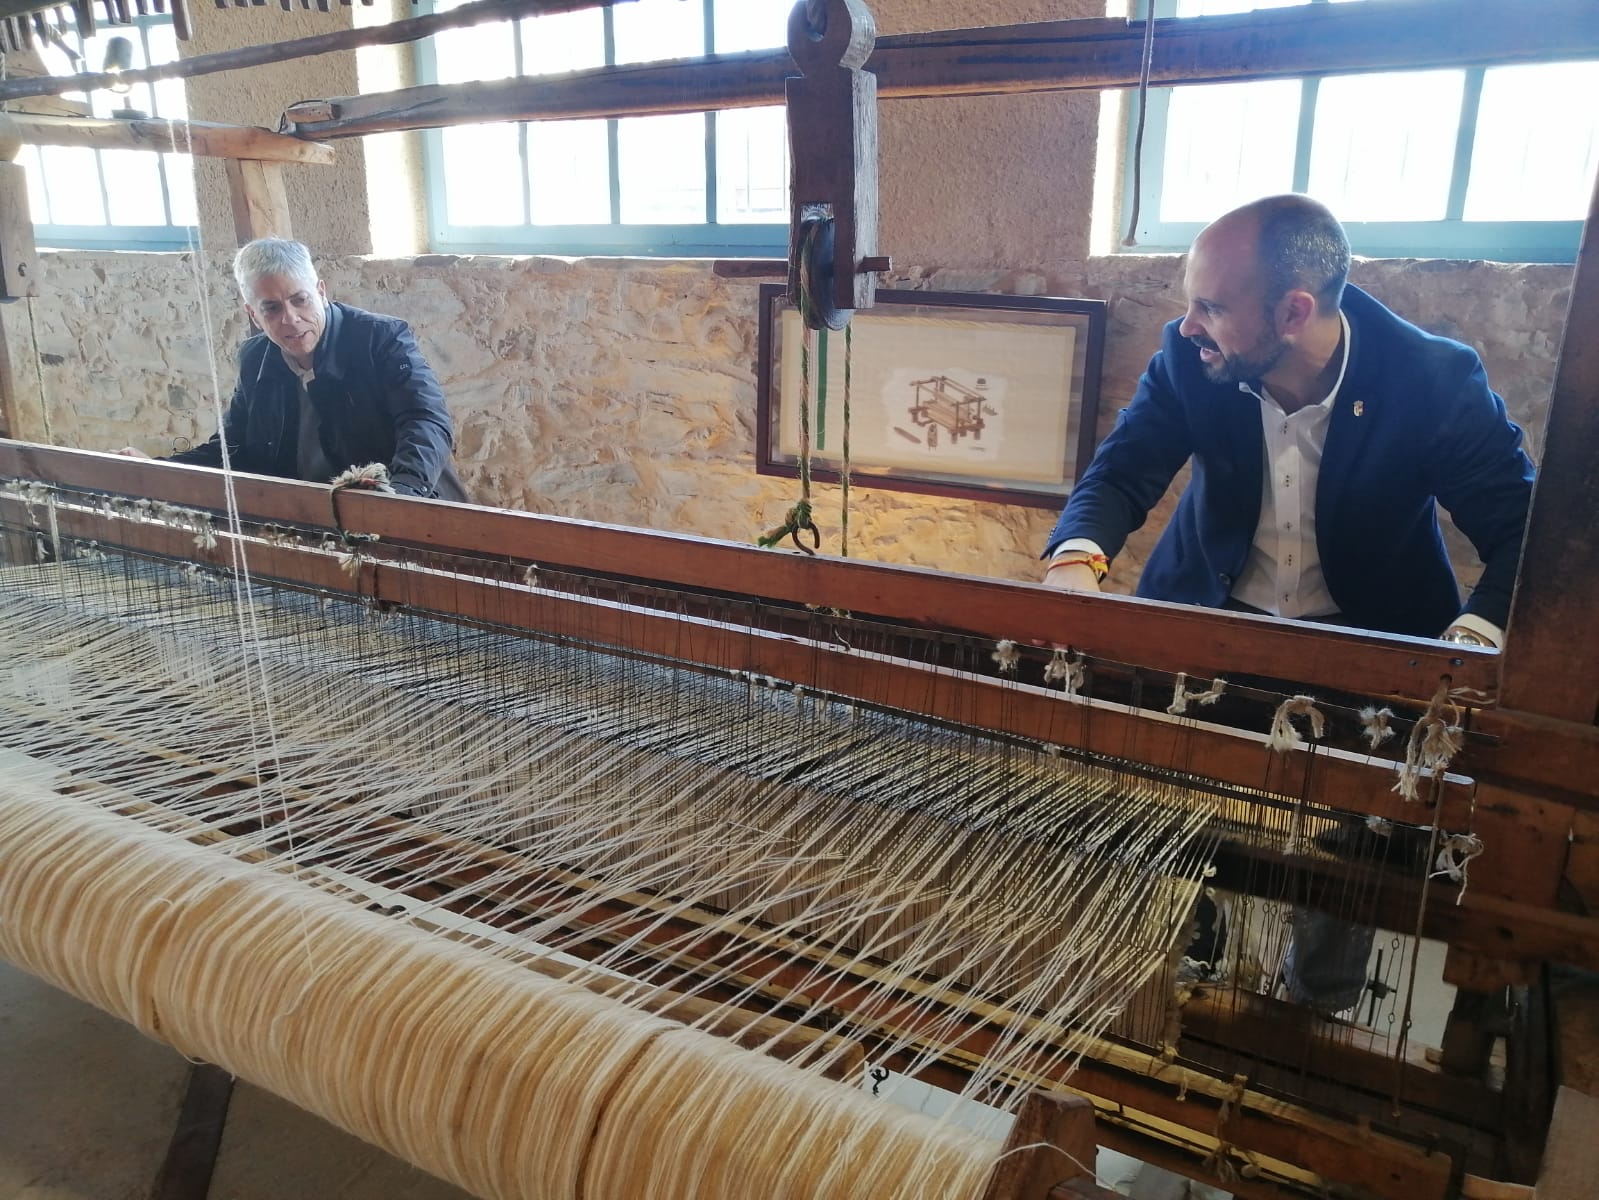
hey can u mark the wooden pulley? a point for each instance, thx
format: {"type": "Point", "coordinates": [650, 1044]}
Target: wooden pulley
{"type": "Point", "coordinates": [832, 134]}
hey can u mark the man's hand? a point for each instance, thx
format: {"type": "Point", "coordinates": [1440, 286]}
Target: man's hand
{"type": "Point", "coordinates": [1072, 577]}
{"type": "Point", "coordinates": [1460, 635]}
{"type": "Point", "coordinates": [131, 452]}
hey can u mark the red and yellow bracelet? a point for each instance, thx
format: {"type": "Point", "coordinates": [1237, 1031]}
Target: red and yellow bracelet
{"type": "Point", "coordinates": [1098, 563]}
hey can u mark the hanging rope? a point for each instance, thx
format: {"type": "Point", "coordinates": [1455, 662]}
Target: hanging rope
{"type": "Point", "coordinates": [799, 519]}
{"type": "Point", "coordinates": [1143, 113]}
{"type": "Point", "coordinates": [843, 474]}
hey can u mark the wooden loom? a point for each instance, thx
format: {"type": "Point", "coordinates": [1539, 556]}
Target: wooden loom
{"type": "Point", "coordinates": [1524, 783]}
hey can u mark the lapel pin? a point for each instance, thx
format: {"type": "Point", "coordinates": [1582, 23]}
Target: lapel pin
{"type": "Point", "coordinates": [1360, 407]}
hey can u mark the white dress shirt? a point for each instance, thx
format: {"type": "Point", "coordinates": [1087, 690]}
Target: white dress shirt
{"type": "Point", "coordinates": [1283, 575]}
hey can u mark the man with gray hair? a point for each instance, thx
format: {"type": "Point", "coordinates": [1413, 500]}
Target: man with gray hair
{"type": "Point", "coordinates": [325, 386]}
{"type": "Point", "coordinates": [1324, 432]}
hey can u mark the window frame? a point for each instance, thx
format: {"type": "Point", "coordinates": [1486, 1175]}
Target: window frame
{"type": "Point", "coordinates": [171, 236]}
{"type": "Point", "coordinates": [707, 239]}
{"type": "Point", "coordinates": [1451, 237]}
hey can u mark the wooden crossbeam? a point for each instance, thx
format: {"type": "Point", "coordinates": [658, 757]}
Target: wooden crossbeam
{"type": "Point", "coordinates": [1087, 54]}
{"type": "Point", "coordinates": [1122, 629]}
{"type": "Point", "coordinates": [203, 138]}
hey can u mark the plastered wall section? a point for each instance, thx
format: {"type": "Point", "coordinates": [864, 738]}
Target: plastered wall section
{"type": "Point", "coordinates": [329, 204]}
{"type": "Point", "coordinates": [625, 391]}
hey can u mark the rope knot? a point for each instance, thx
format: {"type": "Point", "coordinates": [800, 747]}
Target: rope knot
{"type": "Point", "coordinates": [1283, 735]}
{"type": "Point", "coordinates": [797, 521]}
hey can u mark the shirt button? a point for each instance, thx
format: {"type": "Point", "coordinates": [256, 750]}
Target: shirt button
{"type": "Point", "coordinates": [1288, 480]}
{"type": "Point", "coordinates": [1285, 426]}
{"type": "Point", "coordinates": [1288, 524]}
{"type": "Point", "coordinates": [1289, 561]}
{"type": "Point", "coordinates": [1226, 579]}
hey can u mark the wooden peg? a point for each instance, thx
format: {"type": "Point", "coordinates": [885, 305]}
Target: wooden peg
{"type": "Point", "coordinates": [832, 131]}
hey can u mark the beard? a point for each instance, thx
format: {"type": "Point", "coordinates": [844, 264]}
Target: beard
{"type": "Point", "coordinates": [1247, 366]}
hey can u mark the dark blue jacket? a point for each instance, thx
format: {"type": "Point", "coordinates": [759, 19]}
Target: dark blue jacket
{"type": "Point", "coordinates": [376, 400]}
{"type": "Point", "coordinates": [1428, 429]}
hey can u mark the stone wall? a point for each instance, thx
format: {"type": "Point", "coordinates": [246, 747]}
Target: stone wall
{"type": "Point", "coordinates": [624, 390]}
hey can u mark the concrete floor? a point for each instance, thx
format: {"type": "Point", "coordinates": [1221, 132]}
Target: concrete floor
{"type": "Point", "coordinates": [88, 1105]}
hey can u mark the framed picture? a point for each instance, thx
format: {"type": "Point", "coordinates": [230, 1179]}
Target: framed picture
{"type": "Point", "coordinates": [951, 393]}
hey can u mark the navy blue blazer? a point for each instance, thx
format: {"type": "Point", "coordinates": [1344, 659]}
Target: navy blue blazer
{"type": "Point", "coordinates": [376, 399]}
{"type": "Point", "coordinates": [1415, 422]}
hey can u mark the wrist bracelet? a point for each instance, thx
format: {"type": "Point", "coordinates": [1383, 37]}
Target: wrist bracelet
{"type": "Point", "coordinates": [1097, 563]}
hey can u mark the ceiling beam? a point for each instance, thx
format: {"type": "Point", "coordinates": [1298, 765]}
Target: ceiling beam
{"type": "Point", "coordinates": [1091, 54]}
{"type": "Point", "coordinates": [192, 137]}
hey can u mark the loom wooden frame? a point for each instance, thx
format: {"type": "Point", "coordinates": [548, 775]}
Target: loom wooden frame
{"type": "Point", "coordinates": [1536, 780]}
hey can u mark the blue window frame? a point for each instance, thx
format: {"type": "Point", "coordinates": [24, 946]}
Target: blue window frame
{"type": "Point", "coordinates": [1461, 163]}
{"type": "Point", "coordinates": [83, 198]}
{"type": "Point", "coordinates": [683, 185]}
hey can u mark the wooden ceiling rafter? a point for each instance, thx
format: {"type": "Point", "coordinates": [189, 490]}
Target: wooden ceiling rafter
{"type": "Point", "coordinates": [1072, 55]}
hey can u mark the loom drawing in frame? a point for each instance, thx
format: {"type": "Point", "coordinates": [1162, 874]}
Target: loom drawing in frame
{"type": "Point", "coordinates": [971, 395]}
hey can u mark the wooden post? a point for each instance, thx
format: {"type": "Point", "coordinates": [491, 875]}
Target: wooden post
{"type": "Point", "coordinates": [260, 205]}
{"type": "Point", "coordinates": [1551, 659]}
{"type": "Point", "coordinates": [1052, 1142]}
{"type": "Point", "coordinates": [19, 273]}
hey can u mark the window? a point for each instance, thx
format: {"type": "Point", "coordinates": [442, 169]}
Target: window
{"type": "Point", "coordinates": [690, 184]}
{"type": "Point", "coordinates": [114, 199]}
{"type": "Point", "coordinates": [1470, 163]}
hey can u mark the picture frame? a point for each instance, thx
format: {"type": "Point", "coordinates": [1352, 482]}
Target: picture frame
{"type": "Point", "coordinates": [962, 394]}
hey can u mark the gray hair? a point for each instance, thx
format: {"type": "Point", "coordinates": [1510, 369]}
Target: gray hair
{"type": "Point", "coordinates": [270, 256]}
{"type": "Point", "coordinates": [1302, 248]}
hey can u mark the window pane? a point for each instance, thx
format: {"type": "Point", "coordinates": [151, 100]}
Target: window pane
{"type": "Point", "coordinates": [661, 165]}
{"type": "Point", "coordinates": [655, 29]}
{"type": "Point", "coordinates": [1384, 146]}
{"type": "Point", "coordinates": [751, 165]}
{"type": "Point", "coordinates": [1227, 144]}
{"type": "Point", "coordinates": [483, 175]}
{"type": "Point", "coordinates": [180, 185]}
{"type": "Point", "coordinates": [169, 100]}
{"type": "Point", "coordinates": [72, 180]}
{"type": "Point", "coordinates": [751, 24]}
{"type": "Point", "coordinates": [569, 166]}
{"type": "Point", "coordinates": [477, 52]}
{"type": "Point", "coordinates": [1537, 144]}
{"type": "Point", "coordinates": [563, 42]}
{"type": "Point", "coordinates": [38, 201]}
{"type": "Point", "coordinates": [133, 187]}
